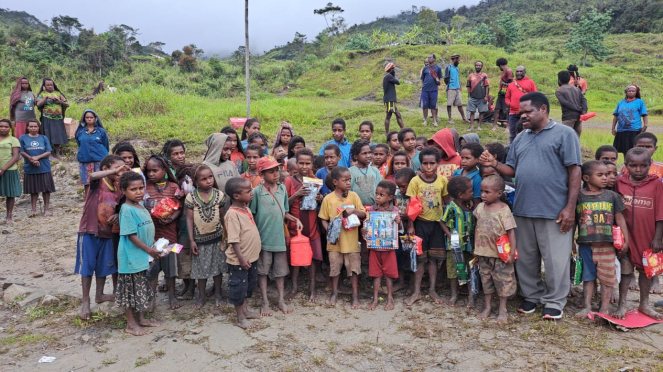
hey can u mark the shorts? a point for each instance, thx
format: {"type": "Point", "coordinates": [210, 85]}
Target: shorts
{"type": "Point", "coordinates": [382, 263]}
{"type": "Point", "coordinates": [428, 99]}
{"type": "Point", "coordinates": [276, 261]}
{"type": "Point", "coordinates": [626, 266]}
{"type": "Point", "coordinates": [431, 234]}
{"type": "Point", "coordinates": [452, 271]}
{"type": "Point", "coordinates": [352, 262]}
{"type": "Point", "coordinates": [390, 107]}
{"type": "Point", "coordinates": [598, 263]}
{"type": "Point", "coordinates": [454, 97]}
{"type": "Point", "coordinates": [86, 169]}
{"type": "Point", "coordinates": [184, 258]}
{"type": "Point", "coordinates": [500, 104]}
{"type": "Point", "coordinates": [95, 256]}
{"type": "Point", "coordinates": [241, 283]}
{"type": "Point", "coordinates": [166, 264]}
{"type": "Point", "coordinates": [496, 275]}
{"type": "Point", "coordinates": [316, 247]}
{"type": "Point", "coordinates": [474, 104]}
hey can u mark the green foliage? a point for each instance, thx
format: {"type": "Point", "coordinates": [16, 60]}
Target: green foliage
{"type": "Point", "coordinates": [510, 28]}
{"type": "Point", "coordinates": [428, 22]}
{"type": "Point", "coordinates": [358, 42]}
{"type": "Point", "coordinates": [587, 36]}
{"type": "Point", "coordinates": [3, 37]}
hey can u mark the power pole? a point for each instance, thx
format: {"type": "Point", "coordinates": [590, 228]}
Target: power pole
{"type": "Point", "coordinates": [246, 59]}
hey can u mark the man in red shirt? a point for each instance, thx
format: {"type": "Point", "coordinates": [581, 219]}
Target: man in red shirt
{"type": "Point", "coordinates": [518, 88]}
{"type": "Point", "coordinates": [506, 79]}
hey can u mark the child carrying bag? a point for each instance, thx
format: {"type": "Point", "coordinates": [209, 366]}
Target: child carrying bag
{"type": "Point", "coordinates": [334, 229]}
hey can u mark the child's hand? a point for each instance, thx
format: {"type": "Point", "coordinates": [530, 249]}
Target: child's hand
{"type": "Point", "coordinates": [244, 263]}
{"type": "Point", "coordinates": [194, 248]}
{"type": "Point", "coordinates": [624, 250]}
{"type": "Point", "coordinates": [364, 233]}
{"type": "Point", "coordinates": [319, 198]}
{"type": "Point", "coordinates": [487, 159]}
{"type": "Point", "coordinates": [303, 191]}
{"type": "Point", "coordinates": [349, 211]}
{"type": "Point", "coordinates": [398, 219]}
{"type": "Point", "coordinates": [512, 257]}
{"type": "Point", "coordinates": [410, 230]}
{"type": "Point", "coordinates": [113, 220]}
{"type": "Point", "coordinates": [656, 245]}
{"type": "Point", "coordinates": [154, 253]}
{"type": "Point", "coordinates": [300, 226]}
{"type": "Point", "coordinates": [165, 221]}
{"type": "Point", "coordinates": [121, 170]}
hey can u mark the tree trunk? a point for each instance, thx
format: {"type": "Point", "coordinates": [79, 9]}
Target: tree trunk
{"type": "Point", "coordinates": [246, 59]}
{"type": "Point", "coordinates": [584, 57]}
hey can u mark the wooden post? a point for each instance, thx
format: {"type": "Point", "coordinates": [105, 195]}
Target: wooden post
{"type": "Point", "coordinates": [246, 59]}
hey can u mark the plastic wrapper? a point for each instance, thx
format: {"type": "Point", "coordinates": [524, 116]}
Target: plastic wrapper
{"type": "Point", "coordinates": [618, 270]}
{"type": "Point", "coordinates": [334, 230]}
{"type": "Point", "coordinates": [381, 230]}
{"type": "Point", "coordinates": [587, 116]}
{"type": "Point", "coordinates": [576, 272]}
{"type": "Point", "coordinates": [164, 208]}
{"type": "Point", "coordinates": [414, 208]}
{"type": "Point", "coordinates": [504, 247]}
{"type": "Point", "coordinates": [175, 248]}
{"type": "Point", "coordinates": [475, 277]}
{"type": "Point", "coordinates": [510, 193]}
{"type": "Point", "coordinates": [412, 242]}
{"type": "Point", "coordinates": [652, 263]}
{"type": "Point", "coordinates": [617, 237]}
{"type": "Point", "coordinates": [187, 185]}
{"type": "Point", "coordinates": [461, 266]}
{"type": "Point", "coordinates": [350, 222]}
{"type": "Point", "coordinates": [308, 202]}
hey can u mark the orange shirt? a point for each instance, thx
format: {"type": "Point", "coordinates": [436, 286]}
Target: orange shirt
{"type": "Point", "coordinates": [656, 169]}
{"type": "Point", "coordinates": [582, 83]}
{"type": "Point", "coordinates": [255, 179]}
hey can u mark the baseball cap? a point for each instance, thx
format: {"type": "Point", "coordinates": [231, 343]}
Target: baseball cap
{"type": "Point", "coordinates": [267, 162]}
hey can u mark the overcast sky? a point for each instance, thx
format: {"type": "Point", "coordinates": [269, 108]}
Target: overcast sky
{"type": "Point", "coordinates": [217, 26]}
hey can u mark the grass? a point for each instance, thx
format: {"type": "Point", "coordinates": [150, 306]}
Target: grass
{"type": "Point", "coordinates": [28, 339]}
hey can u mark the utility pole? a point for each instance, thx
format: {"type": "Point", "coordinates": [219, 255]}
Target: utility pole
{"type": "Point", "coordinates": [246, 59]}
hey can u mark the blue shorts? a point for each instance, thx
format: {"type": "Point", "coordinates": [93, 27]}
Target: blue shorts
{"type": "Point", "coordinates": [428, 99]}
{"type": "Point", "coordinates": [588, 265]}
{"type": "Point", "coordinates": [241, 283]}
{"type": "Point", "coordinates": [95, 256]}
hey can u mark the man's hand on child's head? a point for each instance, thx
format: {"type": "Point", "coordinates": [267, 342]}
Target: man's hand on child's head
{"type": "Point", "coordinates": [487, 159]}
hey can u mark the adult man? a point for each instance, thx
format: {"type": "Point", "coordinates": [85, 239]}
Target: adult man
{"type": "Point", "coordinates": [518, 88]}
{"type": "Point", "coordinates": [430, 78]}
{"type": "Point", "coordinates": [573, 102]}
{"type": "Point", "coordinates": [501, 107]}
{"type": "Point", "coordinates": [477, 94]}
{"type": "Point", "coordinates": [454, 92]}
{"type": "Point", "coordinates": [576, 80]}
{"type": "Point", "coordinates": [389, 83]}
{"type": "Point", "coordinates": [545, 159]}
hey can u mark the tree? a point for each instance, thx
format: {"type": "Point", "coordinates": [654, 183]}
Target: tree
{"type": "Point", "coordinates": [587, 36]}
{"type": "Point", "coordinates": [156, 45]}
{"type": "Point", "coordinates": [510, 28]}
{"type": "Point", "coordinates": [335, 23]}
{"type": "Point", "coordinates": [68, 28]}
{"type": "Point", "coordinates": [3, 37]}
{"type": "Point", "coordinates": [196, 52]}
{"type": "Point", "coordinates": [126, 35]}
{"type": "Point", "coordinates": [188, 63]}
{"type": "Point", "coordinates": [358, 42]}
{"type": "Point", "coordinates": [97, 52]}
{"type": "Point", "coordinates": [457, 22]}
{"type": "Point", "coordinates": [483, 35]}
{"type": "Point", "coordinates": [188, 51]}
{"type": "Point", "coordinates": [428, 22]}
{"type": "Point", "coordinates": [177, 54]}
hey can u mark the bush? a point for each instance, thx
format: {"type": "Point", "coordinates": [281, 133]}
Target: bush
{"type": "Point", "coordinates": [358, 42]}
{"type": "Point", "coordinates": [188, 63]}
{"type": "Point", "coordinates": [322, 93]}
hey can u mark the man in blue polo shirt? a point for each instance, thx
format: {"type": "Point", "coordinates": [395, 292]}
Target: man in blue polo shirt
{"type": "Point", "coordinates": [430, 79]}
{"type": "Point", "coordinates": [454, 91]}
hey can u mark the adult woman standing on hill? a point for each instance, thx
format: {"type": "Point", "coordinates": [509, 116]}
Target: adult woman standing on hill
{"type": "Point", "coordinates": [21, 106]}
{"type": "Point", "coordinates": [53, 105]}
{"type": "Point", "coordinates": [630, 119]}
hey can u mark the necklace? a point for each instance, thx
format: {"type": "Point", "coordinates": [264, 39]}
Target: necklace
{"type": "Point", "coordinates": [208, 198]}
{"type": "Point", "coordinates": [161, 189]}
{"type": "Point", "coordinates": [363, 172]}
{"type": "Point", "coordinates": [251, 177]}
{"type": "Point", "coordinates": [110, 187]}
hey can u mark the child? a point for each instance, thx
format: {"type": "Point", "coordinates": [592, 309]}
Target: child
{"type": "Point", "coordinates": [366, 132]}
{"type": "Point", "coordinates": [251, 126]}
{"type": "Point", "coordinates": [642, 194]}
{"type": "Point", "coordinates": [648, 140]}
{"type": "Point", "coordinates": [282, 141]}
{"type": "Point", "coordinates": [296, 143]}
{"type": "Point", "coordinates": [408, 139]}
{"type": "Point", "coordinates": [95, 253]}
{"type": "Point", "coordinates": [318, 163]}
{"type": "Point", "coordinates": [53, 105]}
{"type": "Point", "coordinates": [38, 178]}
{"type": "Point", "coordinates": [295, 190]}
{"type": "Point", "coordinates": [421, 142]}
{"type": "Point", "coordinates": [259, 139]}
{"type": "Point", "coordinates": [161, 184]}
{"type": "Point", "coordinates": [469, 155]}
{"type": "Point", "coordinates": [136, 238]}
{"type": "Point", "coordinates": [606, 152]}
{"type": "Point", "coordinates": [346, 251]}
{"type": "Point", "coordinates": [127, 152]}
{"type": "Point", "coordinates": [497, 150]}
{"type": "Point", "coordinates": [175, 153]}
{"type": "Point", "coordinates": [487, 170]}
{"type": "Point", "coordinates": [183, 238]}
{"type": "Point", "coordinates": [364, 177]}
{"type": "Point", "coordinates": [242, 258]}
{"type": "Point", "coordinates": [458, 217]}
{"type": "Point", "coordinates": [292, 168]}
{"type": "Point", "coordinates": [402, 178]}
{"type": "Point", "coordinates": [217, 158]}
{"type": "Point", "coordinates": [332, 155]}
{"type": "Point", "coordinates": [270, 207]}
{"type": "Point", "coordinates": [612, 174]}
{"type": "Point", "coordinates": [381, 158]}
{"type": "Point", "coordinates": [382, 263]}
{"type": "Point", "coordinates": [393, 142]}
{"type": "Point", "coordinates": [449, 161]}
{"type": "Point", "coordinates": [10, 179]}
{"type": "Point", "coordinates": [338, 132]}
{"type": "Point", "coordinates": [252, 154]}
{"type": "Point", "coordinates": [93, 146]}
{"type": "Point", "coordinates": [204, 224]}
{"type": "Point", "coordinates": [237, 155]}
{"type": "Point", "coordinates": [597, 210]}
{"type": "Point", "coordinates": [431, 188]}
{"type": "Point", "coordinates": [399, 161]}
{"type": "Point", "coordinates": [493, 220]}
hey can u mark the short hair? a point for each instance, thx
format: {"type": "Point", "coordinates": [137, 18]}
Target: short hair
{"type": "Point", "coordinates": [405, 174]}
{"type": "Point", "coordinates": [129, 177]}
{"type": "Point", "coordinates": [501, 62]}
{"type": "Point", "coordinates": [475, 148]}
{"type": "Point", "coordinates": [608, 162]}
{"type": "Point", "coordinates": [422, 138]}
{"type": "Point", "coordinates": [428, 151]}
{"type": "Point", "coordinates": [357, 146]}
{"type": "Point", "coordinates": [538, 99]}
{"type": "Point", "coordinates": [318, 162]}
{"type": "Point", "coordinates": [495, 180]}
{"type": "Point", "coordinates": [292, 163]}
{"type": "Point", "coordinates": [168, 146]}
{"type": "Point", "coordinates": [588, 167]}
{"type": "Point", "coordinates": [338, 171]}
{"type": "Point", "coordinates": [125, 146]}
{"type": "Point", "coordinates": [109, 160]}
{"type": "Point", "coordinates": [646, 135]}
{"type": "Point", "coordinates": [304, 152]}
{"type": "Point", "coordinates": [458, 185]}
{"type": "Point", "coordinates": [254, 147]}
{"type": "Point", "coordinates": [235, 186]}
{"type": "Point", "coordinates": [338, 121]}
{"type": "Point", "coordinates": [6, 121]}
{"type": "Point", "coordinates": [329, 182]}
{"type": "Point", "coordinates": [478, 62]}
{"type": "Point", "coordinates": [402, 132]}
{"type": "Point", "coordinates": [388, 185]}
{"type": "Point", "coordinates": [391, 134]}
{"type": "Point", "coordinates": [604, 148]}
{"type": "Point", "coordinates": [366, 122]}
{"type": "Point", "coordinates": [334, 147]}
{"type": "Point", "coordinates": [564, 77]}
{"type": "Point", "coordinates": [519, 126]}
{"type": "Point", "coordinates": [255, 135]}
{"type": "Point", "coordinates": [497, 150]}
{"type": "Point", "coordinates": [382, 146]}
{"type": "Point", "coordinates": [637, 151]}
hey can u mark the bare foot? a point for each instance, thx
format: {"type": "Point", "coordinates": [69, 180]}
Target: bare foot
{"type": "Point", "coordinates": [614, 298]}
{"type": "Point", "coordinates": [493, 129]}
{"type": "Point", "coordinates": [219, 301]}
{"type": "Point", "coordinates": [149, 323]}
{"type": "Point", "coordinates": [582, 314]}
{"type": "Point", "coordinates": [33, 214]}
{"type": "Point", "coordinates": [313, 298]}
{"type": "Point", "coordinates": [398, 287]}
{"type": "Point", "coordinates": [244, 324]}
{"type": "Point", "coordinates": [466, 121]}
{"type": "Point", "coordinates": [183, 291]}
{"type": "Point", "coordinates": [649, 311]}
{"type": "Point", "coordinates": [137, 330]}
{"type": "Point", "coordinates": [356, 305]}
{"type": "Point", "coordinates": [104, 298]}
{"type": "Point", "coordinates": [251, 314]}
{"type": "Point", "coordinates": [199, 304]}
{"type": "Point", "coordinates": [655, 286]}
{"type": "Point", "coordinates": [285, 308]}
{"type": "Point", "coordinates": [332, 300]}
{"type": "Point", "coordinates": [484, 314]}
{"type": "Point", "coordinates": [412, 299]}
{"type": "Point", "coordinates": [47, 213]}
{"type": "Point", "coordinates": [435, 296]}
{"type": "Point", "coordinates": [320, 278]}
{"type": "Point", "coordinates": [390, 304]}
{"type": "Point", "coordinates": [153, 304]}
{"type": "Point", "coordinates": [451, 121]}
{"type": "Point", "coordinates": [502, 318]}
{"type": "Point", "coordinates": [328, 287]}
{"type": "Point", "coordinates": [265, 310]}
{"type": "Point", "coordinates": [620, 313]}
{"type": "Point", "coordinates": [174, 304]}
{"type": "Point", "coordinates": [573, 293]}
{"type": "Point", "coordinates": [409, 292]}
{"type": "Point", "coordinates": [373, 305]}
{"type": "Point", "coordinates": [470, 302]}
{"type": "Point", "coordinates": [479, 128]}
{"type": "Point", "coordinates": [452, 300]}
{"type": "Point", "coordinates": [85, 310]}
{"type": "Point", "coordinates": [634, 284]}
{"type": "Point", "coordinates": [290, 296]}
{"type": "Point", "coordinates": [163, 287]}
{"type": "Point", "coordinates": [185, 295]}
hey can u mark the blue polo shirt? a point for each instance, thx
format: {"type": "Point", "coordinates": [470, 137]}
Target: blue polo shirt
{"type": "Point", "coordinates": [346, 160]}
{"type": "Point", "coordinates": [454, 77]}
{"type": "Point", "coordinates": [475, 176]}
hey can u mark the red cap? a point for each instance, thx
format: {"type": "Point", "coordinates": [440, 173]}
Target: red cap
{"type": "Point", "coordinates": [267, 162]}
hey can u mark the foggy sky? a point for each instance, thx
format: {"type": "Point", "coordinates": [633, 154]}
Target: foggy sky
{"type": "Point", "coordinates": [218, 26]}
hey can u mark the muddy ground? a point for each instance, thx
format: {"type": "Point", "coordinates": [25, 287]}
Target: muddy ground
{"type": "Point", "coordinates": [425, 337]}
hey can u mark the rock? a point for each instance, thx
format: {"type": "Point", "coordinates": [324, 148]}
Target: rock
{"type": "Point", "coordinates": [107, 307]}
{"type": "Point", "coordinates": [32, 299]}
{"type": "Point", "coordinates": [86, 338]}
{"type": "Point", "coordinates": [6, 285]}
{"type": "Point", "coordinates": [37, 274]}
{"type": "Point", "coordinates": [49, 300]}
{"type": "Point", "coordinates": [7, 230]}
{"type": "Point", "coordinates": [448, 366]}
{"type": "Point", "coordinates": [13, 291]}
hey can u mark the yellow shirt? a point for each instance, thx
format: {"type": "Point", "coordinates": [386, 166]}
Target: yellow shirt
{"type": "Point", "coordinates": [431, 194]}
{"type": "Point", "coordinates": [332, 205]}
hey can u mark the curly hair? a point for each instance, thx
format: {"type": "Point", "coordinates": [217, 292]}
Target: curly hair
{"type": "Point", "coordinates": [475, 149]}
{"type": "Point", "coordinates": [109, 160]}
{"type": "Point", "coordinates": [168, 147]}
{"type": "Point", "coordinates": [357, 146]}
{"type": "Point", "coordinates": [388, 185]}
{"type": "Point", "coordinates": [129, 177]}
{"type": "Point", "coordinates": [428, 151]}
{"type": "Point", "coordinates": [458, 185]}
{"type": "Point", "coordinates": [125, 146]}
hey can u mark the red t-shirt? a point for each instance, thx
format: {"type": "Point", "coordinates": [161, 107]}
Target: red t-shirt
{"type": "Point", "coordinates": [171, 190]}
{"type": "Point", "coordinates": [506, 79]}
{"type": "Point", "coordinates": [513, 93]}
{"type": "Point", "coordinates": [308, 218]}
{"type": "Point", "coordinates": [100, 204]}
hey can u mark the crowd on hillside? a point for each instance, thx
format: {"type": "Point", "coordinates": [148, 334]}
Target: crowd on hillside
{"type": "Point", "coordinates": [474, 215]}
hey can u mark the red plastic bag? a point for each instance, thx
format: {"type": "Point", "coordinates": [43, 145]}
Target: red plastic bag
{"type": "Point", "coordinates": [587, 116]}
{"type": "Point", "coordinates": [301, 253]}
{"type": "Point", "coordinates": [617, 237]}
{"type": "Point", "coordinates": [652, 262]}
{"type": "Point", "coordinates": [504, 247]}
{"type": "Point", "coordinates": [164, 208]}
{"type": "Point", "coordinates": [414, 208]}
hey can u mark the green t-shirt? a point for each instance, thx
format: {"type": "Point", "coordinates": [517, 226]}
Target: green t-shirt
{"type": "Point", "coordinates": [6, 146]}
{"type": "Point", "coordinates": [134, 220]}
{"type": "Point", "coordinates": [268, 212]}
{"type": "Point", "coordinates": [364, 183]}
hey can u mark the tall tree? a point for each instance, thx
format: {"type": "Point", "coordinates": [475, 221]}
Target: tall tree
{"type": "Point", "coordinates": [68, 28]}
{"type": "Point", "coordinates": [510, 28]}
{"type": "Point", "coordinates": [428, 22]}
{"type": "Point", "coordinates": [335, 23]}
{"type": "Point", "coordinates": [588, 34]}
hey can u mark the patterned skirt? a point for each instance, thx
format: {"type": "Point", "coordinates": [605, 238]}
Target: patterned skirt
{"type": "Point", "coordinates": [134, 291]}
{"type": "Point", "coordinates": [210, 261]}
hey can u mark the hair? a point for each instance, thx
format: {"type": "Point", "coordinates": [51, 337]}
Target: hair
{"type": "Point", "coordinates": [129, 177]}
{"type": "Point", "coordinates": [428, 151]}
{"type": "Point", "coordinates": [338, 121]}
{"type": "Point", "coordinates": [109, 160]}
{"type": "Point", "coordinates": [41, 130]}
{"type": "Point", "coordinates": [331, 146]}
{"type": "Point", "coordinates": [478, 62]}
{"type": "Point", "coordinates": [402, 132]}
{"type": "Point", "coordinates": [519, 126]}
{"type": "Point", "coordinates": [248, 124]}
{"type": "Point", "coordinates": [384, 146]}
{"type": "Point", "coordinates": [329, 182]}
{"type": "Point", "coordinates": [294, 141]}
{"type": "Point", "coordinates": [608, 162]}
{"type": "Point", "coordinates": [255, 135]}
{"type": "Point", "coordinates": [573, 71]}
{"type": "Point", "coordinates": [357, 146]}
{"type": "Point", "coordinates": [604, 148]}
{"type": "Point", "coordinates": [230, 130]}
{"type": "Point", "coordinates": [495, 180]}
{"type": "Point", "coordinates": [55, 87]}
{"type": "Point", "coordinates": [589, 166]}
{"type": "Point", "coordinates": [388, 185]}
{"type": "Point", "coordinates": [6, 121]}
{"type": "Point", "coordinates": [475, 148]}
{"type": "Point", "coordinates": [125, 146]}
{"type": "Point", "coordinates": [636, 151]}
{"type": "Point", "coordinates": [458, 185]}
{"type": "Point", "coordinates": [497, 150]}
{"type": "Point", "coordinates": [564, 77]}
{"type": "Point", "coordinates": [538, 99]}
{"type": "Point", "coordinates": [484, 167]}
{"type": "Point", "coordinates": [183, 171]}
{"type": "Point", "coordinates": [338, 171]}
{"type": "Point", "coordinates": [318, 162]}
{"type": "Point", "coordinates": [235, 186]}
{"type": "Point", "coordinates": [195, 169]}
{"type": "Point", "coordinates": [646, 135]}
{"type": "Point", "coordinates": [405, 174]}
{"type": "Point", "coordinates": [163, 163]}
{"type": "Point", "coordinates": [168, 147]}
{"type": "Point", "coordinates": [501, 62]}
{"type": "Point", "coordinates": [254, 147]}
{"type": "Point", "coordinates": [391, 161]}
{"type": "Point", "coordinates": [637, 90]}
{"type": "Point", "coordinates": [366, 122]}
{"type": "Point", "coordinates": [422, 138]}
{"type": "Point", "coordinates": [391, 134]}
{"type": "Point", "coordinates": [304, 152]}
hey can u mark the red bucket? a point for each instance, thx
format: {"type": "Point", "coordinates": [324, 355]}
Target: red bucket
{"type": "Point", "coordinates": [237, 122]}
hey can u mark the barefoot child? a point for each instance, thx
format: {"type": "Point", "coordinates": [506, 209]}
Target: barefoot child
{"type": "Point", "coordinates": [408, 139]}
{"type": "Point", "coordinates": [10, 179]}
{"type": "Point", "coordinates": [95, 254]}
{"type": "Point", "coordinates": [597, 210]}
{"type": "Point", "coordinates": [252, 154]}
{"type": "Point", "coordinates": [403, 178]}
{"type": "Point", "coordinates": [381, 157]}
{"type": "Point", "coordinates": [469, 163]}
{"type": "Point", "coordinates": [364, 177]}
{"type": "Point", "coordinates": [346, 251]}
{"type": "Point", "coordinates": [382, 263]}
{"type": "Point", "coordinates": [134, 292]}
{"type": "Point", "coordinates": [244, 251]}
{"type": "Point", "coordinates": [399, 161]}
{"type": "Point", "coordinates": [184, 258]}
{"type": "Point", "coordinates": [458, 217]}
{"type": "Point", "coordinates": [494, 219]}
{"type": "Point", "coordinates": [270, 209]}
{"type": "Point", "coordinates": [38, 178]}
{"type": "Point", "coordinates": [204, 223]}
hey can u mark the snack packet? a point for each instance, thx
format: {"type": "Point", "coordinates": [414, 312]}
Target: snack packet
{"type": "Point", "coordinates": [652, 262]}
{"type": "Point", "coordinates": [175, 248]}
{"type": "Point", "coordinates": [504, 247]}
{"type": "Point", "coordinates": [617, 237]}
{"type": "Point", "coordinates": [164, 208]}
{"type": "Point", "coordinates": [351, 222]}
{"type": "Point", "coordinates": [308, 202]}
